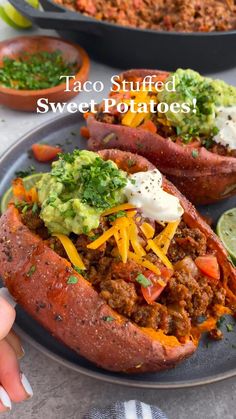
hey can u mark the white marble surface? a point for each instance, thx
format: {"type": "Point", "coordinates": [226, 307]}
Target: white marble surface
{"type": "Point", "coordinates": [62, 394]}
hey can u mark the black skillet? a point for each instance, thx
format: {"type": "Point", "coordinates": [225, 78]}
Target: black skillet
{"type": "Point", "coordinates": [125, 47]}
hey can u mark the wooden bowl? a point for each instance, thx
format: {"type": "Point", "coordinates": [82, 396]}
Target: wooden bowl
{"type": "Point", "coordinates": [26, 100]}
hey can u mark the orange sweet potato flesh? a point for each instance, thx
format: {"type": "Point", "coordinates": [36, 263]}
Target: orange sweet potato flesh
{"type": "Point", "coordinates": [204, 179]}
{"type": "Point", "coordinates": [74, 313]}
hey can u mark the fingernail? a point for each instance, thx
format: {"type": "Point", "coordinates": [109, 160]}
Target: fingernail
{"type": "Point", "coordinates": [21, 353]}
{"type": "Point", "coordinates": [25, 383]}
{"type": "Point", "coordinates": [5, 399]}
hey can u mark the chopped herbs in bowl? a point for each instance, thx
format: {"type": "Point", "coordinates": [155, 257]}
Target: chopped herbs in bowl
{"type": "Point", "coordinates": [40, 70]}
{"type": "Point", "coordinates": [34, 68]}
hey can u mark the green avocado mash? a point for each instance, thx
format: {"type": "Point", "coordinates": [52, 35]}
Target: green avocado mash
{"type": "Point", "coordinates": [209, 94]}
{"type": "Point", "coordinates": [78, 189]}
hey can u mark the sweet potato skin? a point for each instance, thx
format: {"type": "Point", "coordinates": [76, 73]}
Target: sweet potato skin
{"type": "Point", "coordinates": [204, 179]}
{"type": "Point", "coordinates": [74, 313]}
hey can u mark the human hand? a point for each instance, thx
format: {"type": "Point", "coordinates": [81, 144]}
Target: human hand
{"type": "Point", "coordinates": [14, 386]}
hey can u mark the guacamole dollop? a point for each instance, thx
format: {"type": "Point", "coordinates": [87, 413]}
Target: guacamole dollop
{"type": "Point", "coordinates": [210, 94]}
{"type": "Point", "coordinates": [78, 189]}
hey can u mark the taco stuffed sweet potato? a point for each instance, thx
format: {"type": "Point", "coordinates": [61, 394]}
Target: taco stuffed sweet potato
{"type": "Point", "coordinates": [128, 280]}
{"type": "Point", "coordinates": [195, 150]}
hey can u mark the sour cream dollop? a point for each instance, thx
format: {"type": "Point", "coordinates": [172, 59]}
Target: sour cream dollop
{"type": "Point", "coordinates": [226, 123]}
{"type": "Point", "coordinates": [144, 190]}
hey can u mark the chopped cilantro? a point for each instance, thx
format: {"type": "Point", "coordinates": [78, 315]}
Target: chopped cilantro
{"type": "Point", "coordinates": [79, 270]}
{"type": "Point", "coordinates": [178, 130]}
{"type": "Point", "coordinates": [25, 209]}
{"type": "Point", "coordinates": [100, 181]}
{"type": "Point", "coordinates": [108, 318]}
{"type": "Point", "coordinates": [69, 157]}
{"type": "Point", "coordinates": [85, 230]}
{"type": "Point", "coordinates": [23, 173]}
{"type": "Point", "coordinates": [195, 154]}
{"type": "Point", "coordinates": [119, 214]}
{"type": "Point", "coordinates": [221, 321]}
{"type": "Point", "coordinates": [208, 143]}
{"type": "Point", "coordinates": [72, 280]}
{"type": "Point", "coordinates": [35, 208]}
{"type": "Point", "coordinates": [215, 131]}
{"type": "Point", "coordinates": [230, 327]}
{"type": "Point", "coordinates": [31, 270]}
{"type": "Point", "coordinates": [142, 280]}
{"type": "Point", "coordinates": [94, 237]}
{"type": "Point", "coordinates": [35, 70]}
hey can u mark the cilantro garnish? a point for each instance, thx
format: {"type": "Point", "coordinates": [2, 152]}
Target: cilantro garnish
{"type": "Point", "coordinates": [35, 208]}
{"type": "Point", "coordinates": [195, 154]}
{"type": "Point", "coordinates": [142, 280]}
{"type": "Point", "coordinates": [79, 270]}
{"type": "Point", "coordinates": [23, 173]}
{"type": "Point", "coordinates": [108, 318]}
{"type": "Point", "coordinates": [119, 214]}
{"type": "Point", "coordinates": [31, 270]}
{"type": "Point", "coordinates": [100, 180]}
{"type": "Point", "coordinates": [221, 321]}
{"type": "Point", "coordinates": [72, 280]}
{"type": "Point", "coordinates": [230, 327]}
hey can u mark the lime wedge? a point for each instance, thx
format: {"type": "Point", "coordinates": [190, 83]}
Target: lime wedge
{"type": "Point", "coordinates": [15, 17]}
{"type": "Point", "coordinates": [226, 230]}
{"type": "Point", "coordinates": [6, 19]}
{"type": "Point", "coordinates": [28, 181]}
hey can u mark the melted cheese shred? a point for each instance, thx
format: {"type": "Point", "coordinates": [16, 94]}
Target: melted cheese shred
{"type": "Point", "coordinates": [152, 245]}
{"type": "Point", "coordinates": [71, 250]}
{"type": "Point", "coordinates": [163, 240]}
{"type": "Point", "coordinates": [125, 232]}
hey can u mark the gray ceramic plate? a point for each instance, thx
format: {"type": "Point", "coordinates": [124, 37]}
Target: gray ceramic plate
{"type": "Point", "coordinates": [213, 361]}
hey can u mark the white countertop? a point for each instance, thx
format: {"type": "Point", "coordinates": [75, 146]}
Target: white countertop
{"type": "Point", "coordinates": [63, 394]}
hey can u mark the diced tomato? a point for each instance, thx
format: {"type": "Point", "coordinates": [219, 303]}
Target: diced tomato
{"type": "Point", "coordinates": [166, 273]}
{"type": "Point", "coordinates": [149, 126]}
{"type": "Point", "coordinates": [84, 131]}
{"type": "Point", "coordinates": [151, 293]}
{"type": "Point", "coordinates": [208, 264]}
{"type": "Point", "coordinates": [45, 152]}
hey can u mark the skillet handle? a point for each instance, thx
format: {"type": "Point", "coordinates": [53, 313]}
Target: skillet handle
{"type": "Point", "coordinates": [63, 20]}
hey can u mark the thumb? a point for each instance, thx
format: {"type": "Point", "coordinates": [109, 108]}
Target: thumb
{"type": "Point", "coordinates": [7, 317]}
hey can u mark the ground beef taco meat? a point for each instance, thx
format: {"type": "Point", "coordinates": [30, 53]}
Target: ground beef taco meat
{"type": "Point", "coordinates": [165, 15]}
{"type": "Point", "coordinates": [188, 295]}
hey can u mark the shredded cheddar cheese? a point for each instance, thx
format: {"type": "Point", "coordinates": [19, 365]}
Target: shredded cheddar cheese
{"type": "Point", "coordinates": [145, 263]}
{"type": "Point", "coordinates": [163, 240]}
{"type": "Point", "coordinates": [138, 249]}
{"type": "Point", "coordinates": [147, 230]}
{"type": "Point", "coordinates": [131, 214]}
{"type": "Point", "coordinates": [71, 250]}
{"type": "Point", "coordinates": [152, 245]}
{"type": "Point", "coordinates": [125, 232]}
{"type": "Point", "coordinates": [134, 119]}
{"type": "Point", "coordinates": [102, 239]}
{"type": "Point", "coordinates": [122, 207]}
{"type": "Point", "coordinates": [124, 244]}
